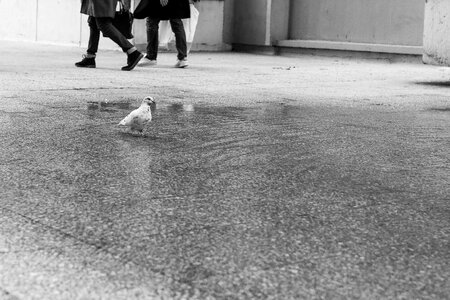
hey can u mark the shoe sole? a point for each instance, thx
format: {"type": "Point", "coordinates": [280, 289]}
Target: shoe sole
{"type": "Point", "coordinates": [129, 68]}
{"type": "Point", "coordinates": [89, 66]}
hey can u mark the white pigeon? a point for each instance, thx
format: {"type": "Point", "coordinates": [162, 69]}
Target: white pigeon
{"type": "Point", "coordinates": [138, 118]}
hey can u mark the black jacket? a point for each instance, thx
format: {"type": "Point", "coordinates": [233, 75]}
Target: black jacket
{"type": "Point", "coordinates": [175, 9]}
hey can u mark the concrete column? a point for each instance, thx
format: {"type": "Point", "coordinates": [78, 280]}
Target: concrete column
{"type": "Point", "coordinates": [279, 21]}
{"type": "Point", "coordinates": [436, 38]}
{"type": "Point", "coordinates": [261, 22]}
{"type": "Point", "coordinates": [250, 26]}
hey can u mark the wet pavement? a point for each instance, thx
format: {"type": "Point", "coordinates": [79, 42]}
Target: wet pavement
{"type": "Point", "coordinates": [259, 178]}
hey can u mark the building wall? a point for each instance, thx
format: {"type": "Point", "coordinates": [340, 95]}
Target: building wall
{"type": "Point", "coordinates": [247, 22]}
{"type": "Point", "coordinates": [18, 26]}
{"type": "Point", "coordinates": [398, 22]}
{"type": "Point", "coordinates": [61, 27]}
{"type": "Point", "coordinates": [60, 22]}
{"type": "Point", "coordinates": [391, 25]}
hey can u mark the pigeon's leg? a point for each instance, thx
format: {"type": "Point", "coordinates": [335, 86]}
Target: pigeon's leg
{"type": "Point", "coordinates": [135, 132]}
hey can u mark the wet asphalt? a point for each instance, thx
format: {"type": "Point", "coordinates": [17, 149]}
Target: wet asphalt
{"type": "Point", "coordinates": [260, 177]}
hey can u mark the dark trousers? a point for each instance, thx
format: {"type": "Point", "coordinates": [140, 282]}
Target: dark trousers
{"type": "Point", "coordinates": [104, 25]}
{"type": "Point", "coordinates": [152, 38]}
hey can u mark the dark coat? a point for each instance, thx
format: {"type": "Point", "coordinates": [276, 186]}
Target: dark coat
{"type": "Point", "coordinates": [175, 9]}
{"type": "Point", "coordinates": [101, 8]}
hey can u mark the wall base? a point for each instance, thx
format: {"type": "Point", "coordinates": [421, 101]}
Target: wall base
{"type": "Point", "coordinates": [255, 49]}
{"type": "Point", "coordinates": [295, 51]}
{"type": "Point", "coordinates": [362, 47]}
{"type": "Point", "coordinates": [393, 57]}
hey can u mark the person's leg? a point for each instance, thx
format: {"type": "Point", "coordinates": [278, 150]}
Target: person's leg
{"type": "Point", "coordinates": [94, 37]}
{"type": "Point", "coordinates": [152, 38]}
{"type": "Point", "coordinates": [109, 30]}
{"type": "Point", "coordinates": [180, 38]}
{"type": "Point", "coordinates": [152, 26]}
{"type": "Point", "coordinates": [88, 60]}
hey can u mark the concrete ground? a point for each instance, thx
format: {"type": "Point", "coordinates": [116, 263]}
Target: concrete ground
{"type": "Point", "coordinates": [260, 177]}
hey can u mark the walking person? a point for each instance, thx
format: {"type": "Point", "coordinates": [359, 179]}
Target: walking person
{"type": "Point", "coordinates": [156, 10]}
{"type": "Point", "coordinates": [101, 14]}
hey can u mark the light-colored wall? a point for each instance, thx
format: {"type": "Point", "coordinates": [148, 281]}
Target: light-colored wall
{"type": "Point", "coordinates": [18, 26]}
{"type": "Point", "coordinates": [60, 22]}
{"type": "Point", "coordinates": [398, 22]}
{"type": "Point", "coordinates": [61, 27]}
{"type": "Point", "coordinates": [250, 22]}
{"type": "Point", "coordinates": [394, 22]}
{"type": "Point", "coordinates": [436, 41]}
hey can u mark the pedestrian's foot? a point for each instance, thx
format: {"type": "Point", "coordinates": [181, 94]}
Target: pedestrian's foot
{"type": "Point", "coordinates": [86, 62]}
{"type": "Point", "coordinates": [133, 60]}
{"type": "Point", "coordinates": [147, 62]}
{"type": "Point", "coordinates": [182, 63]}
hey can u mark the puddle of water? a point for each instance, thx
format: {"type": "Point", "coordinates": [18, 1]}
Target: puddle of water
{"type": "Point", "coordinates": [210, 177]}
{"type": "Point", "coordinates": [435, 83]}
{"type": "Point", "coordinates": [101, 105]}
{"type": "Point", "coordinates": [441, 109]}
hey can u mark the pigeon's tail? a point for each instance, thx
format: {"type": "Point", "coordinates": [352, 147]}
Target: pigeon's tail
{"type": "Point", "coordinates": [122, 122]}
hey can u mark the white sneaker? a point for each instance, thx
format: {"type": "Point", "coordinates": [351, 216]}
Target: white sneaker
{"type": "Point", "coordinates": [182, 63]}
{"type": "Point", "coordinates": [146, 62]}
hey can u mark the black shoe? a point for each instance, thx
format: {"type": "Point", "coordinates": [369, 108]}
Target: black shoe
{"type": "Point", "coordinates": [86, 62]}
{"type": "Point", "coordinates": [133, 60]}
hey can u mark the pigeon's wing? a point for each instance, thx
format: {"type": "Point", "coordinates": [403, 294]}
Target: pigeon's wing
{"type": "Point", "coordinates": [144, 116]}
{"type": "Point", "coordinates": [137, 119]}
{"type": "Point", "coordinates": [127, 121]}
